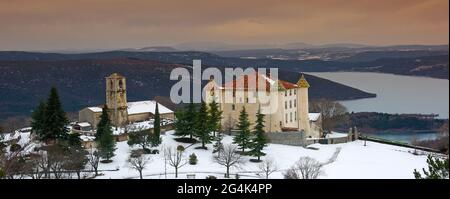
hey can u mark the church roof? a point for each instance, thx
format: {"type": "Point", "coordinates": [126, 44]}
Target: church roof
{"type": "Point", "coordinates": [146, 107]}
{"type": "Point", "coordinates": [95, 109]}
{"type": "Point", "coordinates": [115, 75]}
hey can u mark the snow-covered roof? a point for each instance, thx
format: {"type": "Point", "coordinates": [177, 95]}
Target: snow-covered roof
{"type": "Point", "coordinates": [95, 109]}
{"type": "Point", "coordinates": [313, 116]}
{"type": "Point", "coordinates": [84, 124]}
{"type": "Point", "coordinates": [336, 135]}
{"type": "Point", "coordinates": [86, 138]}
{"type": "Point", "coordinates": [146, 107]}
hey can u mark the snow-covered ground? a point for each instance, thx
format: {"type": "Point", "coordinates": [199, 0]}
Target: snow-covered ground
{"type": "Point", "coordinates": [348, 160]}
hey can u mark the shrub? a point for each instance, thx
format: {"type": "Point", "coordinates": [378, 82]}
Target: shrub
{"type": "Point", "coordinates": [15, 147]}
{"type": "Point", "coordinates": [193, 159]}
{"type": "Point", "coordinates": [180, 148]}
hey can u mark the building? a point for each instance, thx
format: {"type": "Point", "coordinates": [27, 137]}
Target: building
{"type": "Point", "coordinates": [286, 107]}
{"type": "Point", "coordinates": [120, 111]}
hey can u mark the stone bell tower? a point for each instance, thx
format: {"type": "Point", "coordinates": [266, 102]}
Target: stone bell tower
{"type": "Point", "coordinates": [303, 106]}
{"type": "Point", "coordinates": [116, 99]}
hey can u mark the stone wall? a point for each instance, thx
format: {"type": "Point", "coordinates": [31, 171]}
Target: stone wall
{"type": "Point", "coordinates": [287, 138]}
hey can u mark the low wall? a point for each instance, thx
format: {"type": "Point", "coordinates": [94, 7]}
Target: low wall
{"type": "Point", "coordinates": [287, 138]}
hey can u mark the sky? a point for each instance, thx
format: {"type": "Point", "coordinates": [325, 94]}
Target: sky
{"type": "Point", "coordinates": [109, 24]}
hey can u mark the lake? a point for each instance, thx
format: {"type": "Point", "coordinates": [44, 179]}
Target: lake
{"type": "Point", "coordinates": [406, 137]}
{"type": "Point", "coordinates": [395, 93]}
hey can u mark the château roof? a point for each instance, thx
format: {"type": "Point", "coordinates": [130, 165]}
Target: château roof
{"type": "Point", "coordinates": [252, 81]}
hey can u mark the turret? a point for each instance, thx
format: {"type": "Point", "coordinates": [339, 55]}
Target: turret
{"type": "Point", "coordinates": [303, 106]}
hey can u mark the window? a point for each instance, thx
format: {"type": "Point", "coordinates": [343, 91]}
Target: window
{"type": "Point", "coordinates": [295, 116]}
{"type": "Point", "coordinates": [295, 103]}
{"type": "Point", "coordinates": [246, 99]}
{"type": "Point", "coordinates": [290, 104]}
{"type": "Point", "coordinates": [286, 118]}
{"type": "Point", "coordinates": [234, 93]}
{"type": "Point", "coordinates": [290, 117]}
{"type": "Point", "coordinates": [285, 93]}
{"type": "Point", "coordinates": [295, 91]}
{"type": "Point", "coordinates": [233, 107]}
{"type": "Point", "coordinates": [285, 105]}
{"type": "Point", "coordinates": [290, 92]}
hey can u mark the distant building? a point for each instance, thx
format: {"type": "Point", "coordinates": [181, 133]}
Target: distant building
{"type": "Point", "coordinates": [288, 103]}
{"type": "Point", "coordinates": [120, 111]}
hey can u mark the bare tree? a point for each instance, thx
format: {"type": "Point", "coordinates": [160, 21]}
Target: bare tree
{"type": "Point", "coordinates": [166, 159]}
{"type": "Point", "coordinates": [267, 167]}
{"type": "Point", "coordinates": [332, 112]}
{"type": "Point", "coordinates": [76, 160]}
{"type": "Point", "coordinates": [11, 162]}
{"type": "Point", "coordinates": [229, 158]}
{"type": "Point", "coordinates": [304, 168]}
{"type": "Point", "coordinates": [138, 162]}
{"type": "Point", "coordinates": [176, 158]}
{"type": "Point", "coordinates": [56, 160]}
{"type": "Point", "coordinates": [93, 160]}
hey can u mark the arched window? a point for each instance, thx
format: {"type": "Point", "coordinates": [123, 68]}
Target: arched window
{"type": "Point", "coordinates": [120, 84]}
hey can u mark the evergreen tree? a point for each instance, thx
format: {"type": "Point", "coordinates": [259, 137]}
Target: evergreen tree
{"type": "Point", "coordinates": [156, 138]}
{"type": "Point", "coordinates": [259, 141]}
{"type": "Point", "coordinates": [191, 117]}
{"type": "Point", "coordinates": [242, 139]}
{"type": "Point", "coordinates": [38, 119]}
{"type": "Point", "coordinates": [218, 145]}
{"type": "Point", "coordinates": [104, 137]}
{"type": "Point", "coordinates": [104, 122]}
{"type": "Point", "coordinates": [55, 118]}
{"type": "Point", "coordinates": [202, 126]}
{"type": "Point", "coordinates": [215, 117]}
{"type": "Point", "coordinates": [181, 123]}
{"type": "Point", "coordinates": [437, 169]}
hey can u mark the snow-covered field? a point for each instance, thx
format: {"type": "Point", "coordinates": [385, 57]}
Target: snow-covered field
{"type": "Point", "coordinates": [348, 160]}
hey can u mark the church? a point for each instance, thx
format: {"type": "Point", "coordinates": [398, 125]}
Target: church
{"type": "Point", "coordinates": [120, 111]}
{"type": "Point", "coordinates": [288, 103]}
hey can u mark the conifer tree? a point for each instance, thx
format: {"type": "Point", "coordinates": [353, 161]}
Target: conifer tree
{"type": "Point", "coordinates": [156, 138]}
{"type": "Point", "coordinates": [55, 122]}
{"type": "Point", "coordinates": [180, 123]}
{"type": "Point", "coordinates": [107, 144]}
{"type": "Point", "coordinates": [215, 117]}
{"type": "Point", "coordinates": [104, 137]}
{"type": "Point", "coordinates": [259, 140]}
{"type": "Point", "coordinates": [104, 121]}
{"type": "Point", "coordinates": [191, 117]}
{"type": "Point", "coordinates": [242, 139]}
{"type": "Point", "coordinates": [437, 169]}
{"type": "Point", "coordinates": [38, 119]}
{"type": "Point", "coordinates": [202, 126]}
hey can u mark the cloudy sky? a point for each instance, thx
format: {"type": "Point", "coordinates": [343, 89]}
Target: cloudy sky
{"type": "Point", "coordinates": [94, 24]}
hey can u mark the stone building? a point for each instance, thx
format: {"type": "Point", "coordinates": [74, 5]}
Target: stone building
{"type": "Point", "coordinates": [120, 111]}
{"type": "Point", "coordinates": [286, 106]}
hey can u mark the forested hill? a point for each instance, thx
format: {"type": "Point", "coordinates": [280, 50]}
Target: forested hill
{"type": "Point", "coordinates": [81, 82]}
{"type": "Point", "coordinates": [417, 63]}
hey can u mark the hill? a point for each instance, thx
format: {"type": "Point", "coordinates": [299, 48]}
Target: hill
{"type": "Point", "coordinates": [81, 83]}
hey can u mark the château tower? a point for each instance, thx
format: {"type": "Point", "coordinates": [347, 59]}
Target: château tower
{"type": "Point", "coordinates": [303, 106]}
{"type": "Point", "coordinates": [116, 99]}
